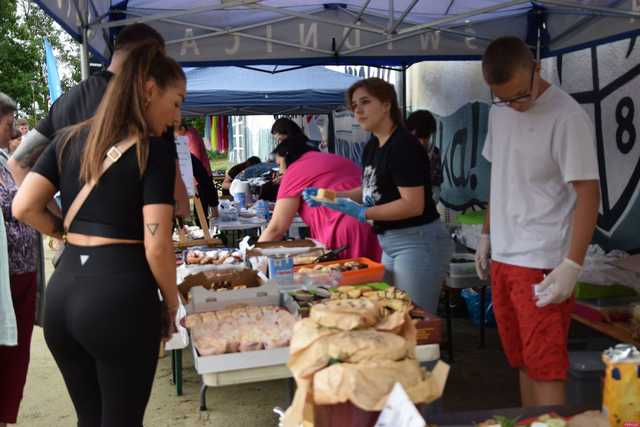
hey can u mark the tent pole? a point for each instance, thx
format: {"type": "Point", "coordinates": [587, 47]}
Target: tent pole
{"type": "Point", "coordinates": [603, 10]}
{"type": "Point", "coordinates": [404, 91]}
{"type": "Point", "coordinates": [331, 131]}
{"type": "Point", "coordinates": [84, 49]}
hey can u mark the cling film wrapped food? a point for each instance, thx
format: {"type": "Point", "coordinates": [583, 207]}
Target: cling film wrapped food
{"type": "Point", "coordinates": [621, 395]}
{"type": "Point", "coordinates": [346, 314]}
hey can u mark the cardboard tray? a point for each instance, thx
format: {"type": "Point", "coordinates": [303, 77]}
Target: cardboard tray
{"type": "Point", "coordinates": [202, 300]}
{"type": "Point", "coordinates": [183, 271]}
{"type": "Point", "coordinates": [202, 281]}
{"type": "Point", "coordinates": [267, 294]}
{"type": "Point", "coordinates": [237, 361]}
{"type": "Point", "coordinates": [374, 273]}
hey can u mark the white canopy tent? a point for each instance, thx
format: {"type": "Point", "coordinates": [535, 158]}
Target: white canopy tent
{"type": "Point", "coordinates": [374, 32]}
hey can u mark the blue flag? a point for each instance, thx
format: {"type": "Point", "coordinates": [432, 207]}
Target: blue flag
{"type": "Point", "coordinates": [53, 78]}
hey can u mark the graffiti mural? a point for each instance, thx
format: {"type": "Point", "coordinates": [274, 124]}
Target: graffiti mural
{"type": "Point", "coordinates": [460, 138]}
{"type": "Point", "coordinates": [606, 82]}
{"type": "Point", "coordinates": [610, 93]}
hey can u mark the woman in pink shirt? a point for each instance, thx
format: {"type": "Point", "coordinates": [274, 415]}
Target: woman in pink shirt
{"type": "Point", "coordinates": [304, 166]}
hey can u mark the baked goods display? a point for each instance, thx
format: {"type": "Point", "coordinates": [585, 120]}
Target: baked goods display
{"type": "Point", "coordinates": [192, 232]}
{"type": "Point", "coordinates": [219, 281]}
{"type": "Point", "coordinates": [390, 299]}
{"type": "Point", "coordinates": [341, 267]}
{"type": "Point", "coordinates": [326, 195]}
{"type": "Point", "coordinates": [212, 256]}
{"type": "Point", "coordinates": [308, 257]}
{"type": "Point", "coordinates": [240, 329]}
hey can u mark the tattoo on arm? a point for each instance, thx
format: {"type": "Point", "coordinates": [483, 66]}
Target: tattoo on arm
{"type": "Point", "coordinates": [153, 228]}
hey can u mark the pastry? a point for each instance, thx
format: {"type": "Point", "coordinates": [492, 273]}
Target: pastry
{"type": "Point", "coordinates": [326, 195]}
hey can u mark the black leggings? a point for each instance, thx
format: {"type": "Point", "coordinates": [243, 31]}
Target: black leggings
{"type": "Point", "coordinates": [102, 324]}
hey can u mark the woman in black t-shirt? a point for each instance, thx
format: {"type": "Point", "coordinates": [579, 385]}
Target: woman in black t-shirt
{"type": "Point", "coordinates": [103, 320]}
{"type": "Point", "coordinates": [396, 196]}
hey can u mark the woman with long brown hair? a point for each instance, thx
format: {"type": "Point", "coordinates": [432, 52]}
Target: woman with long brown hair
{"type": "Point", "coordinates": [396, 196]}
{"type": "Point", "coordinates": [103, 318]}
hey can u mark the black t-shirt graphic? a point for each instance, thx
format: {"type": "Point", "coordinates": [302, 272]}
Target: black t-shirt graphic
{"type": "Point", "coordinates": [400, 162]}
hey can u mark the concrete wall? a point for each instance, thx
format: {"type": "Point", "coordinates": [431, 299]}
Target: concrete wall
{"type": "Point", "coordinates": [605, 80]}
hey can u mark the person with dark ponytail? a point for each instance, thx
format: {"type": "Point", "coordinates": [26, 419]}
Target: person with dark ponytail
{"type": "Point", "coordinates": [103, 296]}
{"type": "Point", "coordinates": [304, 166]}
{"type": "Point", "coordinates": [395, 196]}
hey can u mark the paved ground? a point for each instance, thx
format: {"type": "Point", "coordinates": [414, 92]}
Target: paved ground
{"type": "Point", "coordinates": [479, 379]}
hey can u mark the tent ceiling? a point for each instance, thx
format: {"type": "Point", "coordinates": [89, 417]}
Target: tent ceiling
{"type": "Point", "coordinates": [240, 91]}
{"type": "Point", "coordinates": [389, 32]}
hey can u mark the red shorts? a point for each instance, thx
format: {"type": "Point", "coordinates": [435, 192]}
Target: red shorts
{"type": "Point", "coordinates": [532, 338]}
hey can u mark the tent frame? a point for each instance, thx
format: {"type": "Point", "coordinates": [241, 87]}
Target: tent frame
{"type": "Point", "coordinates": [393, 32]}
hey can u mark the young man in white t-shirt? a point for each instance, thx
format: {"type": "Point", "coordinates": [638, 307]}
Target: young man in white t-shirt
{"type": "Point", "coordinates": [543, 211]}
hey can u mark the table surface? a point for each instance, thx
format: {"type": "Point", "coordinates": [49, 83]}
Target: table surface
{"type": "Point", "coordinates": [424, 353]}
{"type": "Point", "coordinates": [617, 330]}
{"type": "Point", "coordinates": [240, 224]}
{"type": "Point", "coordinates": [472, 417]}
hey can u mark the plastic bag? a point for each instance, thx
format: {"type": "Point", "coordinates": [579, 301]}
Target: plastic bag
{"type": "Point", "coordinates": [472, 299]}
{"type": "Point", "coordinates": [180, 339]}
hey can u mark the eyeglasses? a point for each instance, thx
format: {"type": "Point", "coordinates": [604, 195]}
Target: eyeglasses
{"type": "Point", "coordinates": [518, 99]}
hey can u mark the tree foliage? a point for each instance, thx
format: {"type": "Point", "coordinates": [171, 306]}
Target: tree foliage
{"type": "Point", "coordinates": [23, 74]}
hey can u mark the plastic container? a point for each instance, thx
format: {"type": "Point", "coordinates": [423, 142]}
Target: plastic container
{"type": "Point", "coordinates": [587, 291]}
{"type": "Point", "coordinates": [281, 269]}
{"type": "Point", "coordinates": [373, 273]}
{"type": "Point", "coordinates": [464, 266]}
{"type": "Point", "coordinates": [584, 380]}
{"type": "Point", "coordinates": [262, 209]}
{"type": "Point", "coordinates": [472, 217]}
{"type": "Point", "coordinates": [241, 199]}
{"type": "Point", "coordinates": [228, 212]}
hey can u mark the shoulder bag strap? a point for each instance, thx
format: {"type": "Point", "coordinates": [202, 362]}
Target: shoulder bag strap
{"type": "Point", "coordinates": [113, 155]}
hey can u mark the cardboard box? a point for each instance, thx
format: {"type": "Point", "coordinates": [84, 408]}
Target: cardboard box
{"type": "Point", "coordinates": [185, 270]}
{"type": "Point", "coordinates": [204, 280]}
{"type": "Point", "coordinates": [202, 300]}
{"type": "Point", "coordinates": [268, 294]}
{"type": "Point", "coordinates": [428, 327]}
